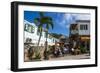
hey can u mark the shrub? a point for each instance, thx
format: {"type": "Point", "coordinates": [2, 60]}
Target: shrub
{"type": "Point", "coordinates": [37, 54]}
{"type": "Point", "coordinates": [83, 50]}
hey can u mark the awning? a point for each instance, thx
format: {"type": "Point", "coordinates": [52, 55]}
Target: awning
{"type": "Point", "coordinates": [85, 38]}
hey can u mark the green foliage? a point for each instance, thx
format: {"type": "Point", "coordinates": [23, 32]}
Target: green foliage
{"type": "Point", "coordinates": [83, 50]}
{"type": "Point", "coordinates": [37, 56]}
{"type": "Point", "coordinates": [40, 22]}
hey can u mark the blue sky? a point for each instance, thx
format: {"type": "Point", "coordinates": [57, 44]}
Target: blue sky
{"type": "Point", "coordinates": [61, 21]}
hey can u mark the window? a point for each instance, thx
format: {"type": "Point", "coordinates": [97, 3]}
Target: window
{"type": "Point", "coordinates": [33, 28]}
{"type": "Point", "coordinates": [86, 27]}
{"type": "Point", "coordinates": [29, 28]}
{"type": "Point", "coordinates": [83, 27]}
{"type": "Point", "coordinates": [26, 27]}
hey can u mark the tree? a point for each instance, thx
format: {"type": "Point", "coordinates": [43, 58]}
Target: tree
{"type": "Point", "coordinates": [40, 22]}
{"type": "Point", "coordinates": [49, 23]}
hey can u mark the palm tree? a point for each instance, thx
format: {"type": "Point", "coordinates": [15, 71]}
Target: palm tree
{"type": "Point", "coordinates": [40, 22]}
{"type": "Point", "coordinates": [49, 23]}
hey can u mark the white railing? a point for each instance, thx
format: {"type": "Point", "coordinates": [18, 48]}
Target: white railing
{"type": "Point", "coordinates": [74, 31]}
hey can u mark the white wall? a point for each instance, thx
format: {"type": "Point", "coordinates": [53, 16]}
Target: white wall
{"type": "Point", "coordinates": [84, 32]}
{"type": "Point", "coordinates": [35, 37]}
{"type": "Point", "coordinates": [5, 36]}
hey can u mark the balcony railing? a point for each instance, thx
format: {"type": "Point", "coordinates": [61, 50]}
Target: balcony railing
{"type": "Point", "coordinates": [74, 31]}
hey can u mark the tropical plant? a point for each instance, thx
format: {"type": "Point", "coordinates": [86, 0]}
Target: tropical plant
{"type": "Point", "coordinates": [83, 49]}
{"type": "Point", "coordinates": [40, 22]}
{"type": "Point", "coordinates": [49, 24]}
{"type": "Point", "coordinates": [37, 56]}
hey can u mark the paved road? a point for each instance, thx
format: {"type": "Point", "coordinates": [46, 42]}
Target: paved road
{"type": "Point", "coordinates": [68, 57]}
{"type": "Point", "coordinates": [72, 57]}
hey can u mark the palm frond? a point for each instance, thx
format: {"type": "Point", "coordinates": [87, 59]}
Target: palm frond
{"type": "Point", "coordinates": [40, 28]}
{"type": "Point", "coordinates": [47, 21]}
{"type": "Point", "coordinates": [51, 24]}
{"type": "Point", "coordinates": [41, 14]}
{"type": "Point", "coordinates": [37, 21]}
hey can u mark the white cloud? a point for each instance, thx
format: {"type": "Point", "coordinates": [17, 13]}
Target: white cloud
{"type": "Point", "coordinates": [69, 18]}
{"type": "Point", "coordinates": [83, 17]}
{"type": "Point", "coordinates": [67, 26]}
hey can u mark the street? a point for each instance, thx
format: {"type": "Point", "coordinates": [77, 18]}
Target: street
{"type": "Point", "coordinates": [72, 57]}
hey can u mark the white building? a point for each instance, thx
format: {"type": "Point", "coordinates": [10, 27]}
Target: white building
{"type": "Point", "coordinates": [80, 30]}
{"type": "Point", "coordinates": [83, 27]}
{"type": "Point", "coordinates": [30, 32]}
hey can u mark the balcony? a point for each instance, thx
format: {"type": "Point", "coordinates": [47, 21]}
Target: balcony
{"type": "Point", "coordinates": [74, 32]}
